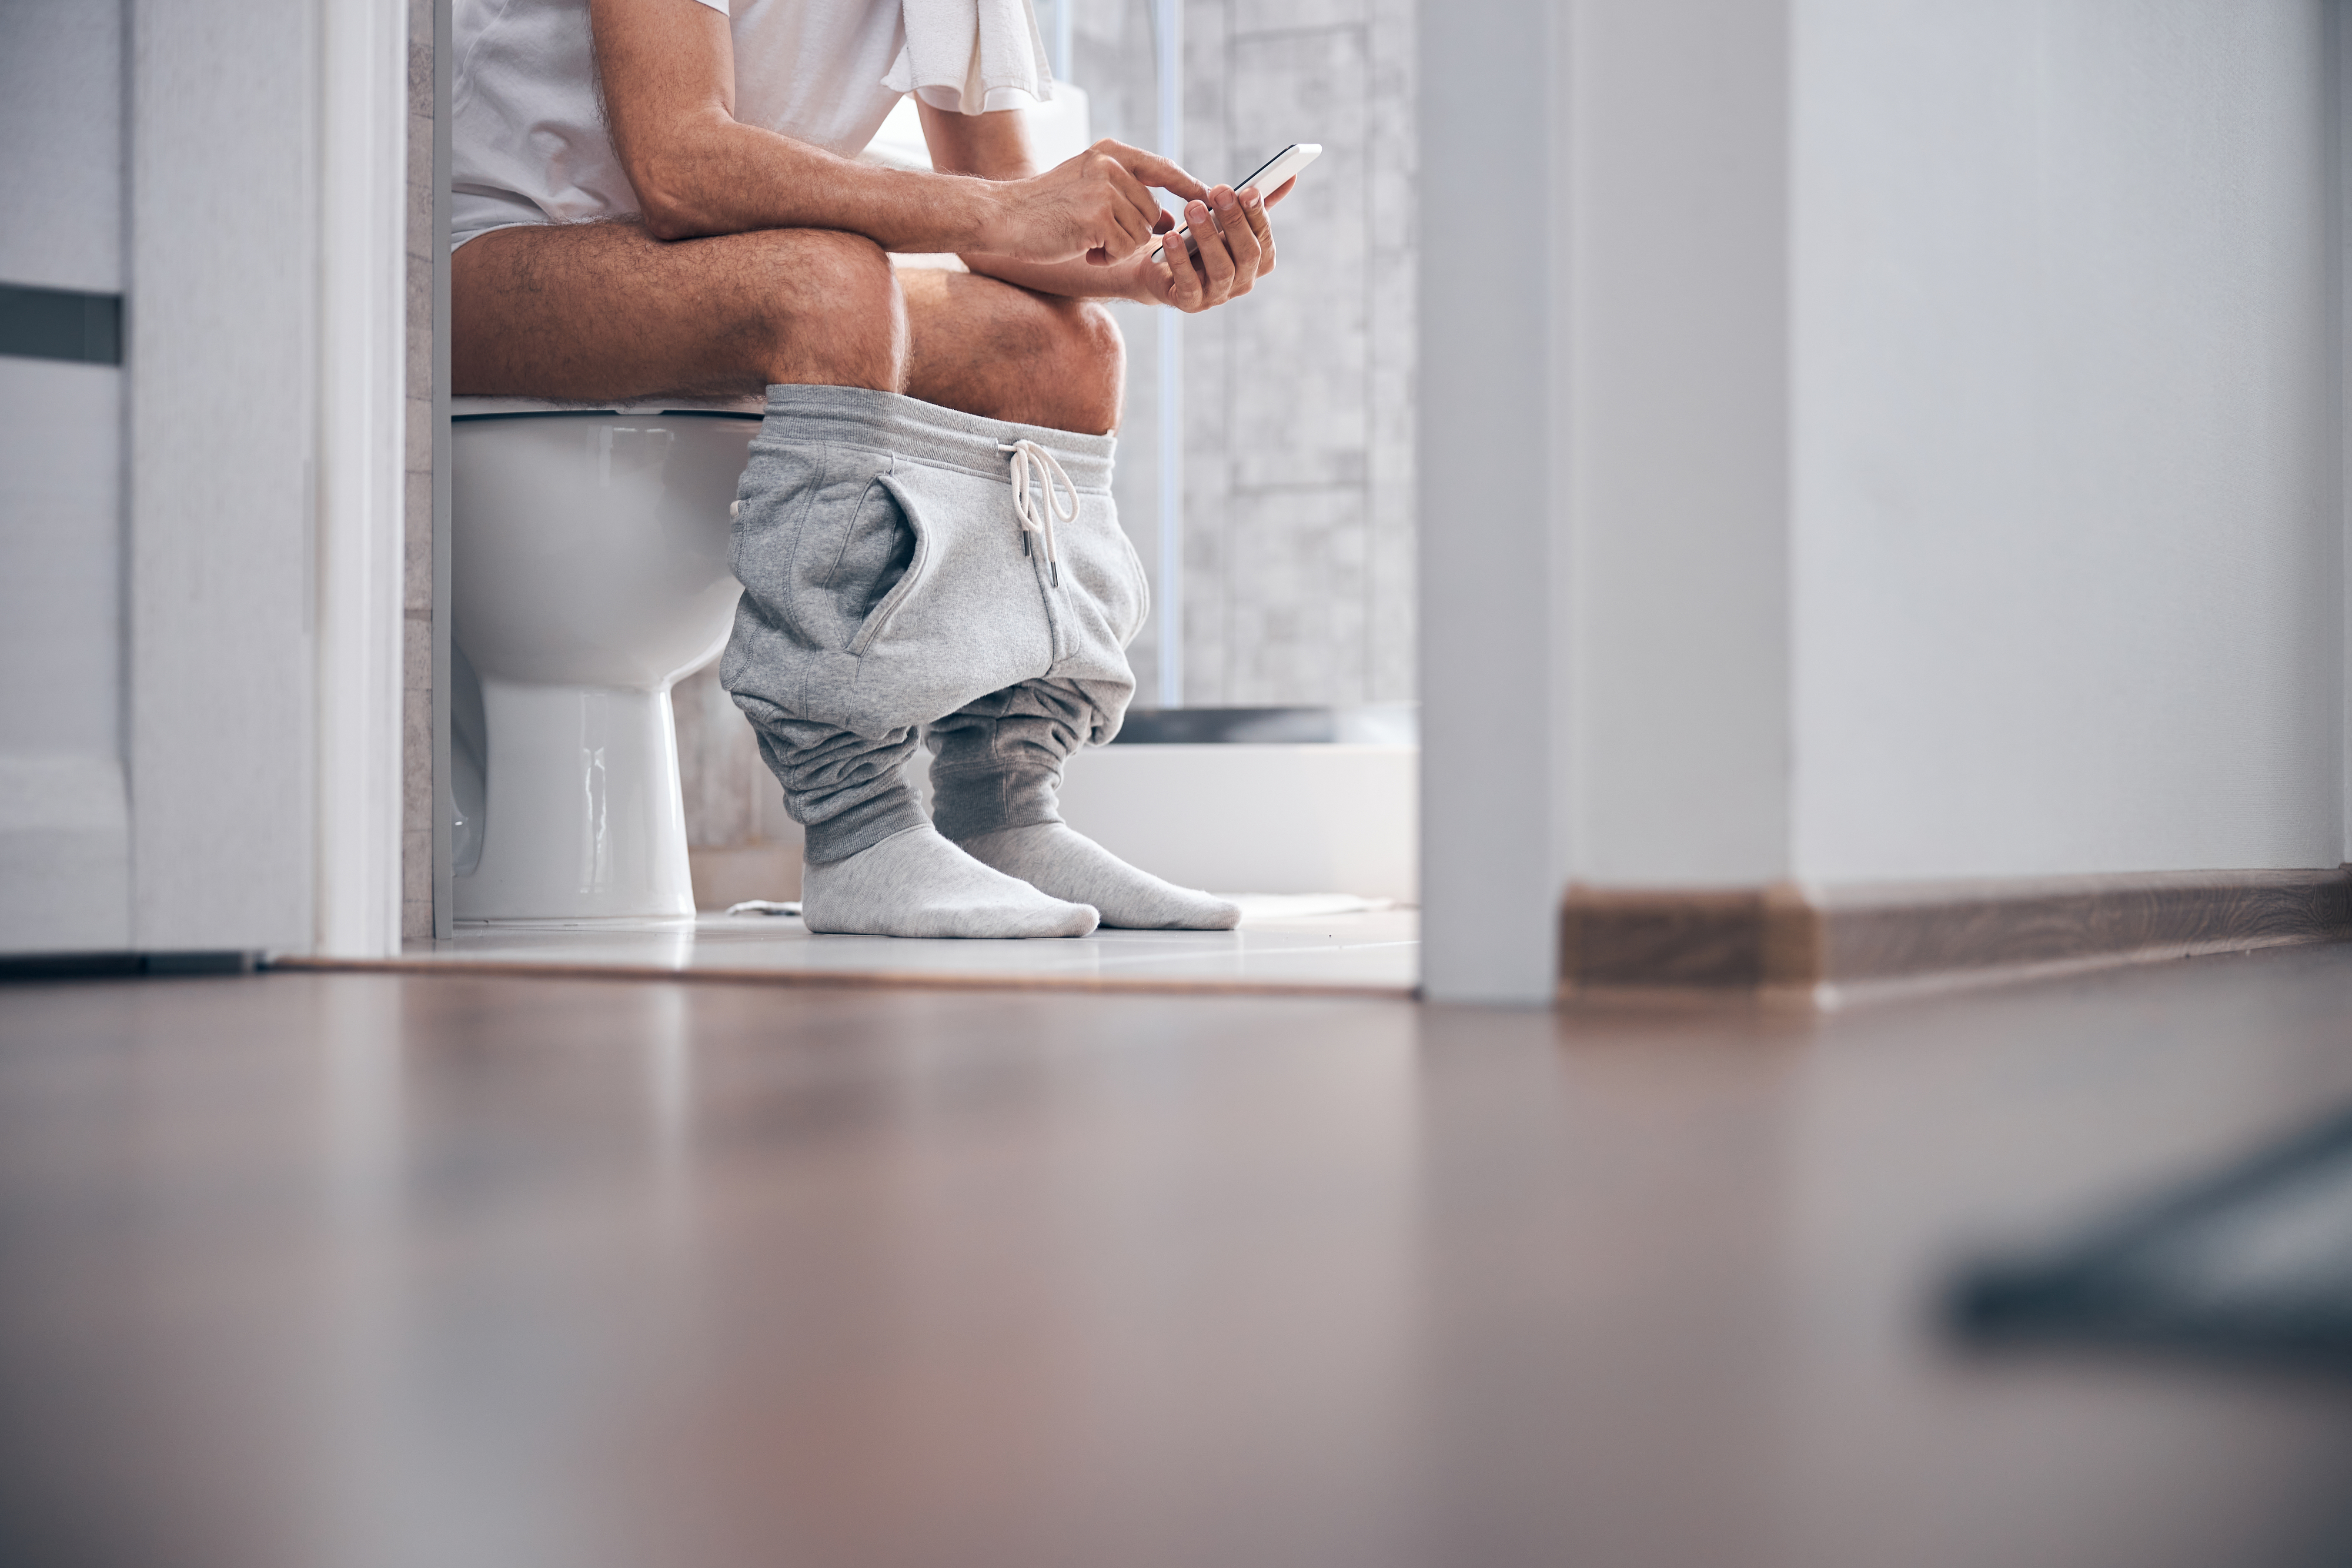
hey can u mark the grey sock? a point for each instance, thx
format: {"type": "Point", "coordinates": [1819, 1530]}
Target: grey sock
{"type": "Point", "coordinates": [916, 884]}
{"type": "Point", "coordinates": [1054, 857]}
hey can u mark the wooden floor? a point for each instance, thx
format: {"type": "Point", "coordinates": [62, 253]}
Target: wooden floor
{"type": "Point", "coordinates": [457, 1270]}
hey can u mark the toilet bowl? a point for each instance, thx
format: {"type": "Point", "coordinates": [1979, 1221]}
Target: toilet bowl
{"type": "Point", "coordinates": [588, 572]}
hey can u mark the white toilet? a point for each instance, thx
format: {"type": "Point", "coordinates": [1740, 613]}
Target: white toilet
{"type": "Point", "coordinates": [588, 570]}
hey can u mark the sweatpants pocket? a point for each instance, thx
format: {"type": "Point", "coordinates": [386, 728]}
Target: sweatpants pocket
{"type": "Point", "coordinates": [852, 554]}
{"type": "Point", "coordinates": [890, 532]}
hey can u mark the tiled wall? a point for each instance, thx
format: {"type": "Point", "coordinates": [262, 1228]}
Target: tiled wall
{"type": "Point", "coordinates": [416, 659]}
{"type": "Point", "coordinates": [1298, 400]}
{"type": "Point", "coordinates": [1299, 525]}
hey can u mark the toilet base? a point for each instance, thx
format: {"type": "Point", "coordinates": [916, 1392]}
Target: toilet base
{"type": "Point", "coordinates": [583, 820]}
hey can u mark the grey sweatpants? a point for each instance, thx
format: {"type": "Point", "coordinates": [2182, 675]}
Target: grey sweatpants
{"type": "Point", "coordinates": [886, 589]}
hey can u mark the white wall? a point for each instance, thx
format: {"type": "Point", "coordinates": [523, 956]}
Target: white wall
{"type": "Point", "coordinates": [181, 536]}
{"type": "Point", "coordinates": [1906, 446]}
{"type": "Point", "coordinates": [1489, 503]}
{"type": "Point", "coordinates": [61, 121]}
{"type": "Point", "coordinates": [64, 829]}
{"type": "Point", "coordinates": [1675, 272]}
{"type": "Point", "coordinates": [222, 351]}
{"type": "Point", "coordinates": [65, 848]}
{"type": "Point", "coordinates": [2067, 593]}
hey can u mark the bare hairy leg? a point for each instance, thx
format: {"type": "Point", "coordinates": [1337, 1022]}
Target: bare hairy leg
{"type": "Point", "coordinates": [598, 311]}
{"type": "Point", "coordinates": [991, 348]}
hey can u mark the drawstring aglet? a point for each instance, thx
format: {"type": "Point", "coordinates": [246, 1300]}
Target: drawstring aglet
{"type": "Point", "coordinates": [1029, 458]}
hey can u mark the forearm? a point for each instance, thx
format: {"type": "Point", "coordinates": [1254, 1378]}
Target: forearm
{"type": "Point", "coordinates": [726, 177]}
{"type": "Point", "coordinates": [1070, 279]}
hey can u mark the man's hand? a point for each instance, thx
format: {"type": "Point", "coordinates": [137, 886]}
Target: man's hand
{"type": "Point", "coordinates": [1098, 205]}
{"type": "Point", "coordinates": [1231, 248]}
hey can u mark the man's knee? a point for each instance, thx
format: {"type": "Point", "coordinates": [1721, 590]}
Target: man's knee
{"type": "Point", "coordinates": [1089, 367]}
{"type": "Point", "coordinates": [833, 313]}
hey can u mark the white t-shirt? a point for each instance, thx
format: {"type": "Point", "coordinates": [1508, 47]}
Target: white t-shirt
{"type": "Point", "coordinates": [527, 141]}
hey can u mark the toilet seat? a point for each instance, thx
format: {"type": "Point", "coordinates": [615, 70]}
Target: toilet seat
{"type": "Point", "coordinates": [751, 404]}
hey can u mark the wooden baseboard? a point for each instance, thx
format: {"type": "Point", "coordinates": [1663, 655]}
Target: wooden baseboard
{"type": "Point", "coordinates": [1793, 938]}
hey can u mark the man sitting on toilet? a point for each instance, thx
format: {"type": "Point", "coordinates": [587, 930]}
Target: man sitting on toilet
{"type": "Point", "coordinates": [925, 532]}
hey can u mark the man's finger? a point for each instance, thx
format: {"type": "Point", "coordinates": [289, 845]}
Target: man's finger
{"type": "Point", "coordinates": [1181, 285]}
{"type": "Point", "coordinates": [1118, 225]}
{"type": "Point", "coordinates": [1216, 256]}
{"type": "Point", "coordinates": [1261, 230]}
{"type": "Point", "coordinates": [1137, 195]}
{"type": "Point", "coordinates": [1153, 170]}
{"type": "Point", "coordinates": [1134, 209]}
{"type": "Point", "coordinates": [1241, 237]}
{"type": "Point", "coordinates": [1183, 281]}
{"type": "Point", "coordinates": [1136, 224]}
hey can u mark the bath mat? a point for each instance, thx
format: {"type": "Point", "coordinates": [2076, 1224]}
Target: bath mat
{"type": "Point", "coordinates": [1305, 905]}
{"type": "Point", "coordinates": [2255, 1261]}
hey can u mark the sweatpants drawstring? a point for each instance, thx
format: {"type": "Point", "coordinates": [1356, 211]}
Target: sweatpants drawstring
{"type": "Point", "coordinates": [1029, 460]}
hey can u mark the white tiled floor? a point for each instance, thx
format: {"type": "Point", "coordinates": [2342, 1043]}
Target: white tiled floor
{"type": "Point", "coordinates": [1276, 949]}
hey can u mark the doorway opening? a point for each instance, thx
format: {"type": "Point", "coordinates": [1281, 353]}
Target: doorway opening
{"type": "Point", "coordinates": [1265, 477]}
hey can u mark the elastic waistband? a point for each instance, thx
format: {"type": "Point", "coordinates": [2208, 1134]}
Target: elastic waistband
{"type": "Point", "coordinates": [926, 432]}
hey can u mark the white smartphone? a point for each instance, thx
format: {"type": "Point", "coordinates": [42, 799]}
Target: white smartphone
{"type": "Point", "coordinates": [1269, 177]}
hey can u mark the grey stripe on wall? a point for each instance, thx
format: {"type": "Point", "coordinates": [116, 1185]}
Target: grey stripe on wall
{"type": "Point", "coordinates": [61, 324]}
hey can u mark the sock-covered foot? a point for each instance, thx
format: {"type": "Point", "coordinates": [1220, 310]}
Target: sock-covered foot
{"type": "Point", "coordinates": [1053, 857]}
{"type": "Point", "coordinates": [916, 884]}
